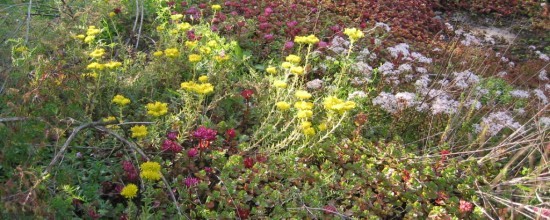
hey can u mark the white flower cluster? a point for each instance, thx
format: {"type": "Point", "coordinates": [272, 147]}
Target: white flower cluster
{"type": "Point", "coordinates": [520, 94]}
{"type": "Point", "coordinates": [465, 79]}
{"type": "Point", "coordinates": [339, 45]}
{"type": "Point", "coordinates": [543, 76]}
{"type": "Point", "coordinates": [357, 94]}
{"type": "Point", "coordinates": [470, 40]}
{"type": "Point", "coordinates": [314, 84]}
{"type": "Point", "coordinates": [544, 122]}
{"type": "Point", "coordinates": [386, 101]}
{"type": "Point", "coordinates": [444, 105]}
{"type": "Point", "coordinates": [542, 56]}
{"type": "Point", "coordinates": [540, 95]}
{"type": "Point", "coordinates": [495, 122]}
{"type": "Point", "coordinates": [401, 48]}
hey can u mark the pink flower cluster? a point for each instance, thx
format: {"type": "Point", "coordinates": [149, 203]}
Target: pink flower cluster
{"type": "Point", "coordinates": [131, 171]}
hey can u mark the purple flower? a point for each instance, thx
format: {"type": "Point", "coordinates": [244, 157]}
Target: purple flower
{"type": "Point", "coordinates": [335, 28]}
{"type": "Point", "coordinates": [171, 146]}
{"type": "Point", "coordinates": [203, 133]}
{"type": "Point", "coordinates": [264, 26]}
{"type": "Point", "coordinates": [291, 24]}
{"type": "Point", "coordinates": [192, 152]}
{"type": "Point", "coordinates": [131, 171]}
{"type": "Point", "coordinates": [268, 37]}
{"type": "Point", "coordinates": [172, 135]}
{"type": "Point", "coordinates": [322, 44]}
{"type": "Point", "coordinates": [191, 181]}
{"type": "Point", "coordinates": [230, 133]}
{"type": "Point", "coordinates": [289, 45]}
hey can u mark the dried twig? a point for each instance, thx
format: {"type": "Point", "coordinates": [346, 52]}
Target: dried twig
{"type": "Point", "coordinates": [12, 119]}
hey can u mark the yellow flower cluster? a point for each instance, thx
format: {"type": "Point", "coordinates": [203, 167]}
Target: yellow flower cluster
{"type": "Point", "coordinates": [298, 70]}
{"type": "Point", "coordinates": [216, 7]}
{"type": "Point", "coordinates": [199, 88]}
{"type": "Point", "coordinates": [280, 84]}
{"type": "Point", "coordinates": [304, 108]}
{"type": "Point", "coordinates": [302, 94]}
{"type": "Point", "coordinates": [91, 33]}
{"type": "Point", "coordinates": [354, 34]}
{"type": "Point", "coordinates": [307, 129]}
{"type": "Point", "coordinates": [121, 100]}
{"type": "Point", "coordinates": [98, 53]}
{"type": "Point", "coordinates": [203, 79]}
{"type": "Point", "coordinates": [205, 50]}
{"type": "Point", "coordinates": [100, 66]}
{"type": "Point", "coordinates": [193, 58]}
{"type": "Point", "coordinates": [150, 170]}
{"type": "Point", "coordinates": [171, 52]}
{"type": "Point", "coordinates": [335, 104]}
{"type": "Point", "coordinates": [183, 26]}
{"type": "Point", "coordinates": [157, 109]}
{"type": "Point", "coordinates": [109, 119]}
{"type": "Point", "coordinates": [176, 17]}
{"type": "Point", "coordinates": [311, 39]}
{"type": "Point", "coordinates": [139, 131]}
{"type": "Point", "coordinates": [271, 70]}
{"type": "Point", "coordinates": [129, 191]}
{"type": "Point", "coordinates": [191, 44]}
{"type": "Point", "coordinates": [220, 58]}
{"type": "Point", "coordinates": [302, 105]}
{"type": "Point", "coordinates": [293, 59]}
{"type": "Point", "coordinates": [158, 53]}
{"type": "Point", "coordinates": [282, 106]}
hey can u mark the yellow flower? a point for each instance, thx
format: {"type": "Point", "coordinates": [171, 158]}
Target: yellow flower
{"type": "Point", "coordinates": [271, 70]}
{"type": "Point", "coordinates": [311, 39]}
{"type": "Point", "coordinates": [112, 14]}
{"type": "Point", "coordinates": [220, 59]}
{"type": "Point", "coordinates": [335, 104]}
{"type": "Point", "coordinates": [216, 7]}
{"type": "Point", "coordinates": [89, 39]}
{"type": "Point", "coordinates": [203, 79]}
{"type": "Point", "coordinates": [176, 17]}
{"type": "Point", "coordinates": [298, 70]}
{"type": "Point", "coordinates": [309, 131]}
{"type": "Point", "coordinates": [280, 84]}
{"type": "Point", "coordinates": [95, 65]}
{"type": "Point", "coordinates": [91, 75]}
{"type": "Point", "coordinates": [194, 58]}
{"type": "Point", "coordinates": [109, 118]}
{"type": "Point", "coordinates": [286, 65]}
{"type": "Point", "coordinates": [158, 53]}
{"type": "Point", "coordinates": [80, 36]}
{"type": "Point", "coordinates": [212, 44]}
{"type": "Point", "coordinates": [121, 100]}
{"type": "Point", "coordinates": [183, 26]}
{"type": "Point", "coordinates": [113, 64]}
{"type": "Point", "coordinates": [97, 53]}
{"type": "Point", "coordinates": [202, 89]}
{"type": "Point", "coordinates": [150, 170]}
{"type": "Point", "coordinates": [302, 105]}
{"type": "Point", "coordinates": [191, 44]}
{"type": "Point", "coordinates": [157, 109]}
{"type": "Point", "coordinates": [304, 114]}
{"type": "Point", "coordinates": [322, 127]}
{"type": "Point", "coordinates": [160, 28]}
{"type": "Point", "coordinates": [293, 59]}
{"type": "Point", "coordinates": [205, 50]}
{"type": "Point", "coordinates": [171, 52]}
{"type": "Point", "coordinates": [92, 31]}
{"type": "Point", "coordinates": [305, 125]}
{"type": "Point", "coordinates": [354, 34]}
{"type": "Point", "coordinates": [282, 105]}
{"type": "Point", "coordinates": [301, 94]}
{"type": "Point", "coordinates": [129, 191]}
{"type": "Point", "coordinates": [139, 131]}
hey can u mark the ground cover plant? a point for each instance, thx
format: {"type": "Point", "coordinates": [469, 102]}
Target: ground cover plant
{"type": "Point", "coordinates": [269, 109]}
